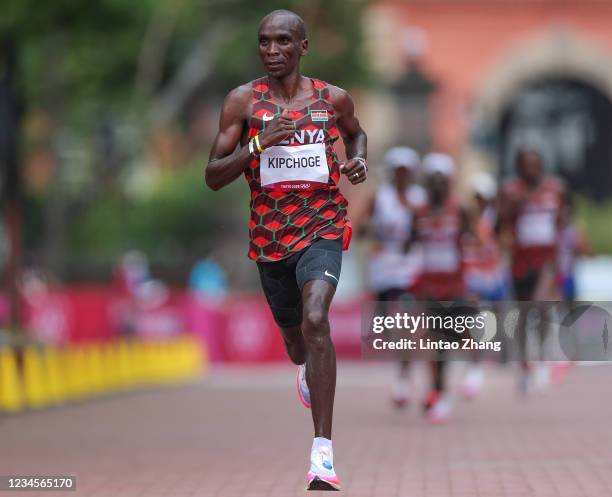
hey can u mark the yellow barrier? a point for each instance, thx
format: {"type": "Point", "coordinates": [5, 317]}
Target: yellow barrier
{"type": "Point", "coordinates": [35, 387]}
{"type": "Point", "coordinates": [11, 393]}
{"type": "Point", "coordinates": [53, 376]}
{"type": "Point", "coordinates": [124, 365]}
{"type": "Point", "coordinates": [55, 379]}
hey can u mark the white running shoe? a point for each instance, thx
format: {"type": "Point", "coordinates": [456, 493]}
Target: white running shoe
{"type": "Point", "coordinates": [440, 409]}
{"type": "Point", "coordinates": [302, 386]}
{"type": "Point", "coordinates": [321, 475]}
{"type": "Point", "coordinates": [473, 382]}
{"type": "Point", "coordinates": [541, 377]}
{"type": "Point", "coordinates": [400, 393]}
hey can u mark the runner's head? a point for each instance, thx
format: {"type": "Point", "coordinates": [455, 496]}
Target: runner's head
{"type": "Point", "coordinates": [438, 169]}
{"type": "Point", "coordinates": [401, 162]}
{"type": "Point", "coordinates": [484, 187]}
{"type": "Point", "coordinates": [529, 165]}
{"type": "Point", "coordinates": [282, 42]}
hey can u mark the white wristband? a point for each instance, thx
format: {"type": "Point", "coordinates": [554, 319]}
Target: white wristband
{"type": "Point", "coordinates": [364, 163]}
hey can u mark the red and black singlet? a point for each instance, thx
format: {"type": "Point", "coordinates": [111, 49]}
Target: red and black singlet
{"type": "Point", "coordinates": [535, 223]}
{"type": "Point", "coordinates": [285, 222]}
{"type": "Point", "coordinates": [439, 233]}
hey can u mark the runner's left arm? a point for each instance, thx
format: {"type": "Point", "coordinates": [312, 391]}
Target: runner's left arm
{"type": "Point", "coordinates": [354, 137]}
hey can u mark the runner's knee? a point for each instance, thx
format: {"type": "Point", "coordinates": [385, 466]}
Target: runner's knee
{"type": "Point", "coordinates": [315, 323]}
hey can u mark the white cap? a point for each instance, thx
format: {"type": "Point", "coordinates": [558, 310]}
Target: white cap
{"type": "Point", "coordinates": [484, 185]}
{"type": "Point", "coordinates": [402, 157]}
{"type": "Point", "coordinates": [438, 163]}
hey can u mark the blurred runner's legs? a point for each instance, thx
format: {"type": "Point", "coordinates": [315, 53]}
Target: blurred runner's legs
{"type": "Point", "coordinates": [530, 211]}
{"type": "Point", "coordinates": [484, 273]}
{"type": "Point", "coordinates": [298, 225]}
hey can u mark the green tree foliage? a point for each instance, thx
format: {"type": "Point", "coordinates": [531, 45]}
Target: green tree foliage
{"type": "Point", "coordinates": [595, 218]}
{"type": "Point", "coordinates": [334, 33]}
{"type": "Point", "coordinates": [93, 49]}
{"type": "Point", "coordinates": [171, 220]}
{"type": "Point", "coordinates": [90, 48]}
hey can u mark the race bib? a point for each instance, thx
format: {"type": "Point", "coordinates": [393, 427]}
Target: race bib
{"type": "Point", "coordinates": [440, 257]}
{"type": "Point", "coordinates": [302, 167]}
{"type": "Point", "coordinates": [536, 229]}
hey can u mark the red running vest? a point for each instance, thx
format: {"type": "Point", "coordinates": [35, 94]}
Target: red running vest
{"type": "Point", "coordinates": [535, 226]}
{"type": "Point", "coordinates": [439, 234]}
{"type": "Point", "coordinates": [285, 222]}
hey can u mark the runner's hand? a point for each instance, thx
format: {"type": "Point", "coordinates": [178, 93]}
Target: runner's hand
{"type": "Point", "coordinates": [355, 170]}
{"type": "Point", "coordinates": [278, 129]}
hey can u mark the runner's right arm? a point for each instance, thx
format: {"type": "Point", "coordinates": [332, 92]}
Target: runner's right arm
{"type": "Point", "coordinates": [226, 163]}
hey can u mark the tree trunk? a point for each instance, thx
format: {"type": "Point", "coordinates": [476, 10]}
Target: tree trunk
{"type": "Point", "coordinates": [10, 127]}
{"type": "Point", "coordinates": [55, 208]}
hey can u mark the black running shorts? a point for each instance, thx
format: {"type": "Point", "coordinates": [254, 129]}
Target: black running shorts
{"type": "Point", "coordinates": [282, 281]}
{"type": "Point", "coordinates": [525, 286]}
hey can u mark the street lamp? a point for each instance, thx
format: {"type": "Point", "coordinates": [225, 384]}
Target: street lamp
{"type": "Point", "coordinates": [412, 94]}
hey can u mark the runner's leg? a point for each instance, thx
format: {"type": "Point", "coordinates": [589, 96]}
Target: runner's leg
{"type": "Point", "coordinates": [279, 283]}
{"type": "Point", "coordinates": [318, 273]}
{"type": "Point", "coordinates": [320, 354]}
{"type": "Point", "coordinates": [294, 344]}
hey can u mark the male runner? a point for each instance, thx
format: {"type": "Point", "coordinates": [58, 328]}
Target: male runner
{"type": "Point", "coordinates": [279, 131]}
{"type": "Point", "coordinates": [439, 228]}
{"type": "Point", "coordinates": [483, 270]}
{"type": "Point", "coordinates": [530, 209]}
{"type": "Point", "coordinates": [392, 271]}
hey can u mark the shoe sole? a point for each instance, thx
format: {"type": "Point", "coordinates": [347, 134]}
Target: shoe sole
{"type": "Point", "coordinates": [302, 399]}
{"type": "Point", "coordinates": [400, 404]}
{"type": "Point", "coordinates": [318, 484]}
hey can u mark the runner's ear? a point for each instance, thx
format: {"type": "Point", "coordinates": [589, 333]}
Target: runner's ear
{"type": "Point", "coordinates": [304, 47]}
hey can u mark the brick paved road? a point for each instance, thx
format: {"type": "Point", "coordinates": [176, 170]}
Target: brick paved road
{"type": "Point", "coordinates": [242, 432]}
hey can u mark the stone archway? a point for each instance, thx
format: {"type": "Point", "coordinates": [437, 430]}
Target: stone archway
{"type": "Point", "coordinates": [558, 64]}
{"type": "Point", "coordinates": [570, 122]}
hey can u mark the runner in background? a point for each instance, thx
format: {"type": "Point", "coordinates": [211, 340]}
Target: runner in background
{"type": "Point", "coordinates": [391, 270]}
{"type": "Point", "coordinates": [439, 229]}
{"type": "Point", "coordinates": [484, 272]}
{"type": "Point", "coordinates": [530, 211]}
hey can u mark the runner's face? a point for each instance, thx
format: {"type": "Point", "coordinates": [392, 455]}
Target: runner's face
{"type": "Point", "coordinates": [402, 176]}
{"type": "Point", "coordinates": [530, 165]}
{"type": "Point", "coordinates": [280, 46]}
{"type": "Point", "coordinates": [437, 184]}
{"type": "Point", "coordinates": [481, 202]}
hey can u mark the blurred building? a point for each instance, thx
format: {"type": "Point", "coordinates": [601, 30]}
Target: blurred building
{"type": "Point", "coordinates": [506, 72]}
